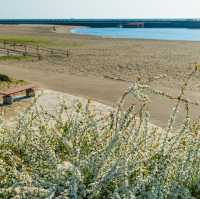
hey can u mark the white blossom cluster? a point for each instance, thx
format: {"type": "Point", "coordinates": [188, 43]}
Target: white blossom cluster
{"type": "Point", "coordinates": [80, 156]}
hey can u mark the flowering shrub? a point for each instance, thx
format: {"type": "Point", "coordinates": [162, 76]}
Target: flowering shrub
{"type": "Point", "coordinates": [76, 154]}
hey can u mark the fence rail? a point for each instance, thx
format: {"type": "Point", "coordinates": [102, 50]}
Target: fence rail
{"type": "Point", "coordinates": [10, 48]}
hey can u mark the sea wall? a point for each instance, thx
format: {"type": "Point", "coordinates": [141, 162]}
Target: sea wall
{"type": "Point", "coordinates": [102, 23]}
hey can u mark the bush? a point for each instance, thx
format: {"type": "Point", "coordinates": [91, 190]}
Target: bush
{"type": "Point", "coordinates": [78, 154]}
{"type": "Point", "coordinates": [4, 78]}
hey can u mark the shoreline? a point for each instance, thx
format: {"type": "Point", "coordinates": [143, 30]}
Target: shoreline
{"type": "Point", "coordinates": [129, 38]}
{"type": "Point", "coordinates": [63, 29]}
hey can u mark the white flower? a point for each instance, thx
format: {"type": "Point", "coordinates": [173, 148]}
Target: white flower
{"type": "Point", "coordinates": [65, 166]}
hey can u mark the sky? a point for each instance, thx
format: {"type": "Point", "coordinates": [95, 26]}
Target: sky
{"type": "Point", "coordinates": [10, 9]}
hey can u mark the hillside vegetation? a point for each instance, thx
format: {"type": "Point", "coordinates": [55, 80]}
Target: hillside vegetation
{"type": "Point", "coordinates": [78, 154]}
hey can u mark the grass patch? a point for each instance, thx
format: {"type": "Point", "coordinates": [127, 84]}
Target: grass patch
{"type": "Point", "coordinates": [25, 39]}
{"type": "Point", "coordinates": [7, 82]}
{"type": "Point", "coordinates": [16, 58]}
{"type": "Point", "coordinates": [41, 41]}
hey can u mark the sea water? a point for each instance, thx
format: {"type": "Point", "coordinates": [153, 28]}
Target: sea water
{"type": "Point", "coordinates": [179, 34]}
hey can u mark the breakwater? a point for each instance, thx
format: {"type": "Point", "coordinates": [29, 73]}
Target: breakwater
{"type": "Point", "coordinates": [103, 23]}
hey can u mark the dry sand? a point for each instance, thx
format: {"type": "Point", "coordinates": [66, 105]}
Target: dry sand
{"type": "Point", "coordinates": [49, 101]}
{"type": "Point", "coordinates": [94, 62]}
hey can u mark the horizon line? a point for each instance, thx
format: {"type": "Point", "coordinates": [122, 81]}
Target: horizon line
{"type": "Point", "coordinates": [73, 18]}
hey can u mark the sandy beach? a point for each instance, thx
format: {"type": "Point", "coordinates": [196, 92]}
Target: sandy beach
{"type": "Point", "coordinates": [103, 68]}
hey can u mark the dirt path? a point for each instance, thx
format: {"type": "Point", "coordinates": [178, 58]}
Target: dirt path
{"type": "Point", "coordinates": [102, 90]}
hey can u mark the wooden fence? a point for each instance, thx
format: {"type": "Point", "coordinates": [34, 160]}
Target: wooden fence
{"type": "Point", "coordinates": [13, 48]}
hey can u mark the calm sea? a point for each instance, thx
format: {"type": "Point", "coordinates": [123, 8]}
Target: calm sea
{"type": "Point", "coordinates": [142, 33]}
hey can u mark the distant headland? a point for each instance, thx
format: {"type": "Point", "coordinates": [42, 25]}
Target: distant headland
{"type": "Point", "coordinates": [103, 23]}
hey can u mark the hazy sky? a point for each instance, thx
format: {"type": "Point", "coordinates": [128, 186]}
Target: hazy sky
{"type": "Point", "coordinates": [99, 8]}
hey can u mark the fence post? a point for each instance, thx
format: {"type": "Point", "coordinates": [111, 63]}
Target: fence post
{"type": "Point", "coordinates": [38, 52]}
{"type": "Point", "coordinates": [39, 57]}
{"type": "Point", "coordinates": [14, 46]}
{"type": "Point", "coordinates": [38, 49]}
{"type": "Point", "coordinates": [68, 53]}
{"type": "Point", "coordinates": [4, 44]}
{"type": "Point", "coordinates": [25, 50]}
